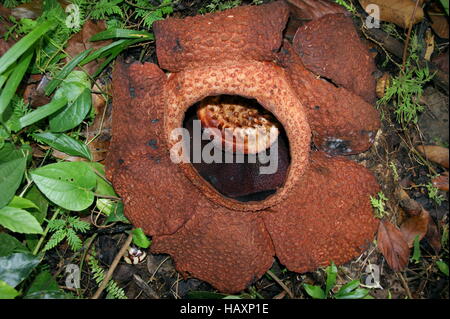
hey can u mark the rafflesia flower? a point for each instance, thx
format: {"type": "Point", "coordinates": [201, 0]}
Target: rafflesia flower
{"type": "Point", "coordinates": [314, 209]}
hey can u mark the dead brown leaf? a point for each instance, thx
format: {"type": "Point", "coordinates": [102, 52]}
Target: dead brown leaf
{"type": "Point", "coordinates": [434, 153]}
{"type": "Point", "coordinates": [382, 84]}
{"type": "Point", "coordinates": [398, 12]}
{"type": "Point", "coordinates": [439, 24]}
{"type": "Point", "coordinates": [393, 245]}
{"type": "Point", "coordinates": [409, 205]}
{"type": "Point", "coordinates": [100, 131]}
{"type": "Point", "coordinates": [441, 182]}
{"type": "Point", "coordinates": [415, 226]}
{"type": "Point", "coordinates": [433, 235]}
{"type": "Point", "coordinates": [313, 9]}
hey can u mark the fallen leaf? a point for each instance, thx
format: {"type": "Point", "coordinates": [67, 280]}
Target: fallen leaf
{"type": "Point", "coordinates": [429, 40]}
{"type": "Point", "coordinates": [313, 9]}
{"type": "Point", "coordinates": [398, 12]}
{"type": "Point", "coordinates": [441, 182]}
{"type": "Point", "coordinates": [382, 84]}
{"type": "Point", "coordinates": [439, 20]}
{"type": "Point", "coordinates": [415, 226]}
{"type": "Point", "coordinates": [434, 153]}
{"type": "Point", "coordinates": [408, 204]}
{"type": "Point", "coordinates": [439, 24]}
{"type": "Point", "coordinates": [433, 235]}
{"type": "Point", "coordinates": [441, 61]}
{"type": "Point", "coordinates": [393, 245]}
{"type": "Point", "coordinates": [100, 130]}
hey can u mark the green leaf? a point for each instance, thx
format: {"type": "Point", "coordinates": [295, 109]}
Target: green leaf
{"type": "Point", "coordinates": [358, 293]}
{"type": "Point", "coordinates": [22, 203]}
{"type": "Point", "coordinates": [14, 53]}
{"type": "Point", "coordinates": [9, 244]}
{"type": "Point", "coordinates": [117, 214]}
{"type": "Point", "coordinates": [140, 239]}
{"type": "Point", "coordinates": [43, 282]}
{"type": "Point", "coordinates": [42, 112]}
{"type": "Point", "coordinates": [416, 254]}
{"type": "Point", "coordinates": [12, 166]}
{"type": "Point", "coordinates": [445, 5]}
{"type": "Point", "coordinates": [16, 267]}
{"type": "Point", "coordinates": [64, 143]}
{"type": "Point", "coordinates": [13, 81]}
{"type": "Point", "coordinates": [68, 185]}
{"type": "Point", "coordinates": [19, 221]}
{"type": "Point", "coordinates": [103, 51]}
{"type": "Point", "coordinates": [347, 288]}
{"type": "Point", "coordinates": [6, 291]}
{"type": "Point", "coordinates": [76, 88]}
{"type": "Point", "coordinates": [314, 291]}
{"type": "Point", "coordinates": [121, 33]}
{"type": "Point", "coordinates": [331, 277]}
{"type": "Point", "coordinates": [442, 267]}
{"type": "Point", "coordinates": [37, 198]}
{"type": "Point", "coordinates": [53, 84]}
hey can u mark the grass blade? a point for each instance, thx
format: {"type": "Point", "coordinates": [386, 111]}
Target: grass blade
{"type": "Point", "coordinates": [42, 112]}
{"type": "Point", "coordinates": [53, 84]}
{"type": "Point", "coordinates": [121, 33]}
{"type": "Point", "coordinates": [14, 80]}
{"type": "Point", "coordinates": [14, 53]}
{"type": "Point", "coordinates": [102, 51]}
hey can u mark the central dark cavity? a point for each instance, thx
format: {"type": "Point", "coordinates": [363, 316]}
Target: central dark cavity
{"type": "Point", "coordinates": [240, 181]}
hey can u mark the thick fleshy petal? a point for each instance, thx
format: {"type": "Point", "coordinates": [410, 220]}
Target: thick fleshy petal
{"type": "Point", "coordinates": [342, 123]}
{"type": "Point", "coordinates": [330, 47]}
{"type": "Point", "coordinates": [156, 195]}
{"type": "Point", "coordinates": [225, 248]}
{"type": "Point", "coordinates": [241, 34]}
{"type": "Point", "coordinates": [328, 217]}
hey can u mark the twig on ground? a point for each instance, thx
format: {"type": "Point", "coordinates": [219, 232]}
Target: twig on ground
{"type": "Point", "coordinates": [278, 280]}
{"type": "Point", "coordinates": [405, 285]}
{"type": "Point", "coordinates": [114, 264]}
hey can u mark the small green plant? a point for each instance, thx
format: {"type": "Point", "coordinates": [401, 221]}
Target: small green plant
{"type": "Point", "coordinates": [350, 290]}
{"type": "Point", "coordinates": [113, 289]}
{"type": "Point", "coordinates": [406, 88]}
{"type": "Point", "coordinates": [379, 205]}
{"type": "Point", "coordinates": [433, 194]}
{"type": "Point", "coordinates": [66, 228]}
{"type": "Point", "coordinates": [394, 171]}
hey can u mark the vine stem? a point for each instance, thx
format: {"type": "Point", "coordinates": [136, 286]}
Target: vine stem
{"type": "Point", "coordinates": [41, 240]}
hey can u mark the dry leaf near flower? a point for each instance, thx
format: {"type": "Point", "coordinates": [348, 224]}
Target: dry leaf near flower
{"type": "Point", "coordinates": [434, 153]}
{"type": "Point", "coordinates": [415, 226]}
{"type": "Point", "coordinates": [433, 236]}
{"type": "Point", "coordinates": [398, 12]}
{"type": "Point", "coordinates": [393, 245]}
{"type": "Point", "coordinates": [313, 9]}
{"type": "Point", "coordinates": [409, 205]}
{"type": "Point", "coordinates": [441, 182]}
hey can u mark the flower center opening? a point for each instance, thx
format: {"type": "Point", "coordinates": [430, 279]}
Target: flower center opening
{"type": "Point", "coordinates": [237, 146]}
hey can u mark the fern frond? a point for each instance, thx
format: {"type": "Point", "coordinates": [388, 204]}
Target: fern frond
{"type": "Point", "coordinates": [73, 240]}
{"type": "Point", "coordinates": [105, 8]}
{"type": "Point", "coordinates": [78, 225]}
{"type": "Point", "coordinates": [55, 239]}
